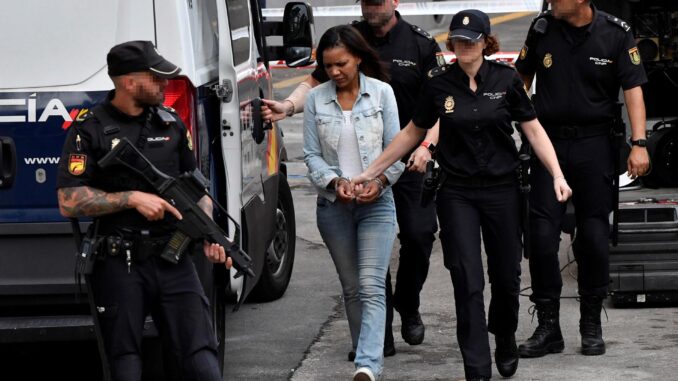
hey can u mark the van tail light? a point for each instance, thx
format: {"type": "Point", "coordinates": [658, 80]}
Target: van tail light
{"type": "Point", "coordinates": [180, 95]}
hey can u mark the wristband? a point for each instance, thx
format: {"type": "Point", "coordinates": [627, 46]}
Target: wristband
{"type": "Point", "coordinates": [429, 146]}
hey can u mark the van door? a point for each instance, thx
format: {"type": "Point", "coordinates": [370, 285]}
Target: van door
{"type": "Point", "coordinates": [246, 162]}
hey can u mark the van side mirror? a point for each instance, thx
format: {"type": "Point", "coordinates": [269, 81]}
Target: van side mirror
{"type": "Point", "coordinates": [298, 34]}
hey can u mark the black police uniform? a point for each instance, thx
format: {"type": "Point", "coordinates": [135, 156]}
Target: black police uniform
{"type": "Point", "coordinates": [126, 292]}
{"type": "Point", "coordinates": [579, 72]}
{"type": "Point", "coordinates": [410, 53]}
{"type": "Point", "coordinates": [479, 193]}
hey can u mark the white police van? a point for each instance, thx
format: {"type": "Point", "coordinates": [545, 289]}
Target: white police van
{"type": "Point", "coordinates": [54, 69]}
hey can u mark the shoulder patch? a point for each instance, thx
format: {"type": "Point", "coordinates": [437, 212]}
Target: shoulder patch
{"type": "Point", "coordinates": [421, 32]}
{"type": "Point", "coordinates": [436, 71]}
{"type": "Point", "coordinates": [618, 22]}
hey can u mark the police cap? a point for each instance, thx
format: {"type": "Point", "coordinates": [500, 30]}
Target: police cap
{"type": "Point", "coordinates": [469, 24]}
{"type": "Point", "coordinates": [135, 56]}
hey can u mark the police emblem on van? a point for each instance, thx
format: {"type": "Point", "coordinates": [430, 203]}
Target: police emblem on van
{"type": "Point", "coordinates": [77, 164]}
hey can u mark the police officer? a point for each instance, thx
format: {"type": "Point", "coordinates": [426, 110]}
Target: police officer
{"type": "Point", "coordinates": [130, 280]}
{"type": "Point", "coordinates": [410, 53]}
{"type": "Point", "coordinates": [581, 57]}
{"type": "Point", "coordinates": [476, 100]}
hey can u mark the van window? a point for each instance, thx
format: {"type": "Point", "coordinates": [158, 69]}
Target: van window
{"type": "Point", "coordinates": [239, 21]}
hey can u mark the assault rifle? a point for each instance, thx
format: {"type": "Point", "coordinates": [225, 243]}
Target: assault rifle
{"type": "Point", "coordinates": [183, 193]}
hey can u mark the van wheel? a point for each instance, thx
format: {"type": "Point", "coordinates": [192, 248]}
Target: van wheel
{"type": "Point", "coordinates": [277, 270]}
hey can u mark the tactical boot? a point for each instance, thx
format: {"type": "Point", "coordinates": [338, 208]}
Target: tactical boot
{"type": "Point", "coordinates": [506, 354]}
{"type": "Point", "coordinates": [412, 329]}
{"type": "Point", "coordinates": [592, 343]}
{"type": "Point", "coordinates": [547, 338]}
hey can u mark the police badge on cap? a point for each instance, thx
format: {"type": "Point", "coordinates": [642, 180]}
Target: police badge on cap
{"type": "Point", "coordinates": [135, 56]}
{"type": "Point", "coordinates": [469, 24]}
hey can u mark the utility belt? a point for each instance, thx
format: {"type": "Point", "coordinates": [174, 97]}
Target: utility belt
{"type": "Point", "coordinates": [140, 245]}
{"type": "Point", "coordinates": [573, 131]}
{"type": "Point", "coordinates": [478, 181]}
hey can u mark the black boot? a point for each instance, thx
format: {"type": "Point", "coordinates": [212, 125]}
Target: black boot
{"type": "Point", "coordinates": [413, 328]}
{"type": "Point", "coordinates": [506, 354]}
{"type": "Point", "coordinates": [592, 343]}
{"type": "Point", "coordinates": [547, 338]}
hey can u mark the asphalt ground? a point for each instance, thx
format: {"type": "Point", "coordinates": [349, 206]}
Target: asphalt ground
{"type": "Point", "coordinates": [304, 335]}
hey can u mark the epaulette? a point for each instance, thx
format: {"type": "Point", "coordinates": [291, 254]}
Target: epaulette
{"type": "Point", "coordinates": [168, 109]}
{"type": "Point", "coordinates": [501, 63]}
{"type": "Point", "coordinates": [355, 22]}
{"type": "Point", "coordinates": [436, 71]}
{"type": "Point", "coordinates": [421, 32]}
{"type": "Point", "coordinates": [618, 22]}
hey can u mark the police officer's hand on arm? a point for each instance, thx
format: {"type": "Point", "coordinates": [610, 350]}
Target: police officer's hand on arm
{"type": "Point", "coordinates": [407, 138]}
{"type": "Point", "coordinates": [541, 144]}
{"type": "Point", "coordinates": [639, 160]}
{"type": "Point", "coordinates": [92, 202]}
{"type": "Point", "coordinates": [273, 110]}
{"type": "Point", "coordinates": [214, 252]}
{"type": "Point", "coordinates": [423, 154]}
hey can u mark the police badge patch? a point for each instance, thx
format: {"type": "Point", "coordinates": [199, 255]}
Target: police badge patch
{"type": "Point", "coordinates": [440, 58]}
{"type": "Point", "coordinates": [548, 60]}
{"type": "Point", "coordinates": [523, 52]}
{"type": "Point", "coordinates": [190, 140]}
{"type": "Point", "coordinates": [635, 56]}
{"type": "Point", "coordinates": [449, 105]}
{"type": "Point", "coordinates": [77, 164]}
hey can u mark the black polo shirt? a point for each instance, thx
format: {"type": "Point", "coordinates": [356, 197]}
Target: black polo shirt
{"type": "Point", "coordinates": [409, 53]}
{"type": "Point", "coordinates": [475, 127]}
{"type": "Point", "coordinates": [580, 70]}
{"type": "Point", "coordinates": [87, 141]}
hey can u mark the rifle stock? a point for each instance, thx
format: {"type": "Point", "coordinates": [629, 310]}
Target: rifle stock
{"type": "Point", "coordinates": [183, 193]}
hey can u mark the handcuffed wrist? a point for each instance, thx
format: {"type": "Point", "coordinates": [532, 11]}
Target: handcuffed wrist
{"type": "Point", "coordinates": [340, 180]}
{"type": "Point", "coordinates": [379, 182]}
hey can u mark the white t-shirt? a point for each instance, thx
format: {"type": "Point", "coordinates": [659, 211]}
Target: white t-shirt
{"type": "Point", "coordinates": [347, 149]}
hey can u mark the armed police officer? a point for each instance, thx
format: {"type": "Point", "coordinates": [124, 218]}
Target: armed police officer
{"type": "Point", "coordinates": [581, 57]}
{"type": "Point", "coordinates": [409, 53]}
{"type": "Point", "coordinates": [129, 279]}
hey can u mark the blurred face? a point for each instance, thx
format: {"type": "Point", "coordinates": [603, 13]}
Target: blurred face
{"type": "Point", "coordinates": [468, 51]}
{"type": "Point", "coordinates": [341, 66]}
{"type": "Point", "coordinates": [378, 13]}
{"type": "Point", "coordinates": [147, 89]}
{"type": "Point", "coordinates": [563, 9]}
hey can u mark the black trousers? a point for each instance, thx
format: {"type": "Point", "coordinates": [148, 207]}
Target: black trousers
{"type": "Point", "coordinates": [173, 296]}
{"type": "Point", "coordinates": [465, 214]}
{"type": "Point", "coordinates": [417, 228]}
{"type": "Point", "coordinates": [588, 167]}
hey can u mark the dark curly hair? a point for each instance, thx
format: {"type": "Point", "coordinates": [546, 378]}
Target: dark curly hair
{"type": "Point", "coordinates": [491, 45]}
{"type": "Point", "coordinates": [349, 37]}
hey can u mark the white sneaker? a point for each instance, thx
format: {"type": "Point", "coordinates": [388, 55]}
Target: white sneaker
{"type": "Point", "coordinates": [363, 374]}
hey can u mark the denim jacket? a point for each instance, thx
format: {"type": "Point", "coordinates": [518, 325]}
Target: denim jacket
{"type": "Point", "coordinates": [375, 116]}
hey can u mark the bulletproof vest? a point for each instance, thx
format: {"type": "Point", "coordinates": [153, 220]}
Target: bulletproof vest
{"type": "Point", "coordinates": [157, 136]}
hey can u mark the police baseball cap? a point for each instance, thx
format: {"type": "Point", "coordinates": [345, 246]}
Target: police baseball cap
{"type": "Point", "coordinates": [469, 24]}
{"type": "Point", "coordinates": [135, 56]}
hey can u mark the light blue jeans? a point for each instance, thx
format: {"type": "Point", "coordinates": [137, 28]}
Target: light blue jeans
{"type": "Point", "coordinates": [360, 240]}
